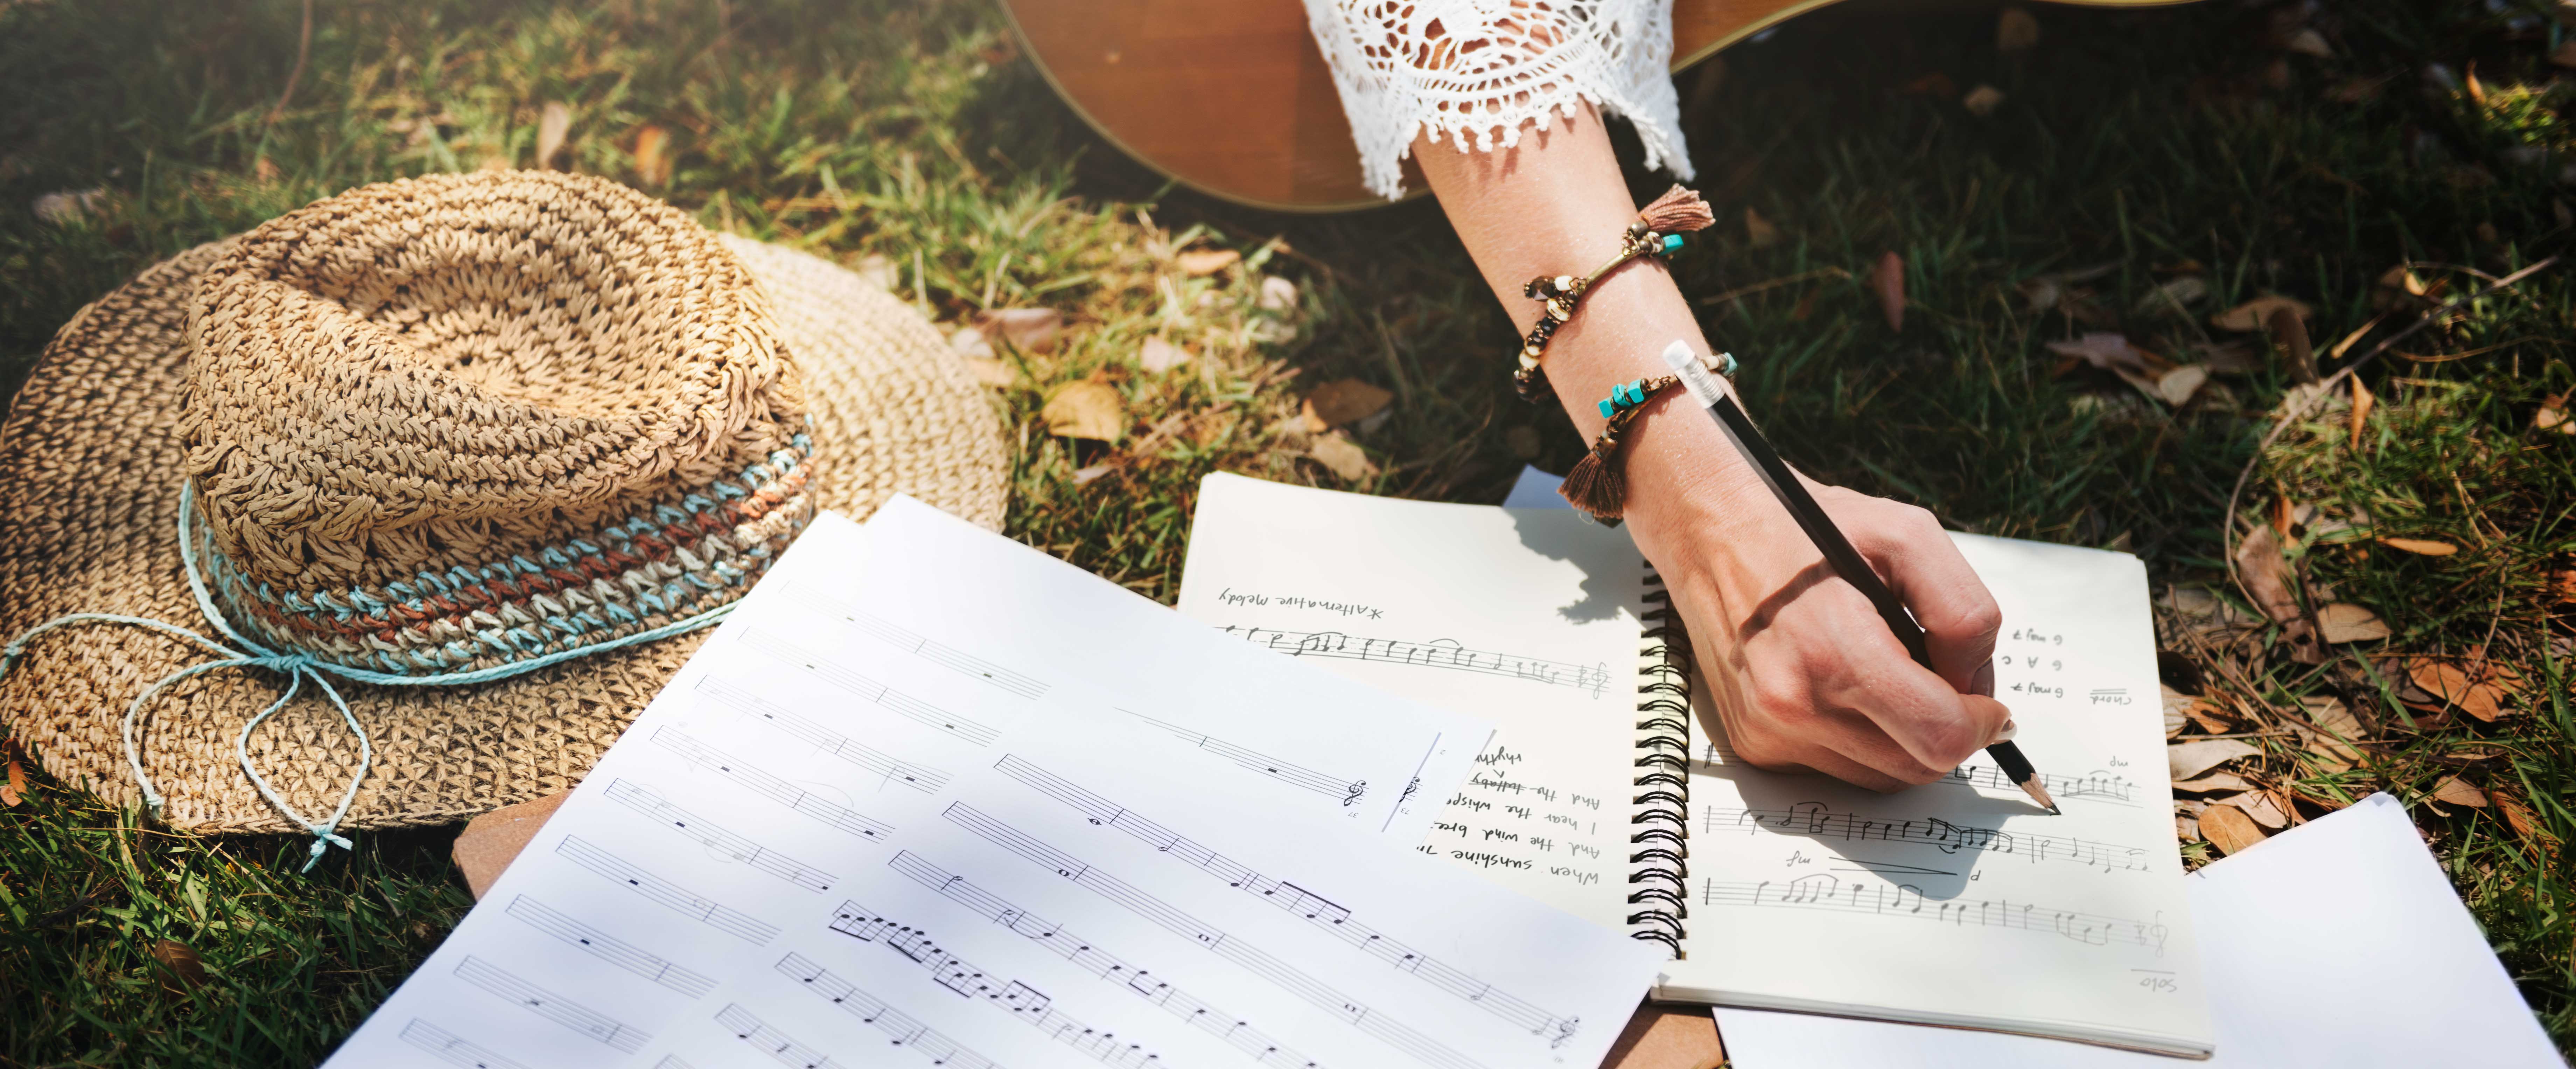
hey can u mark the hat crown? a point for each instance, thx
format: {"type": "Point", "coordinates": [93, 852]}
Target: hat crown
{"type": "Point", "coordinates": [452, 370]}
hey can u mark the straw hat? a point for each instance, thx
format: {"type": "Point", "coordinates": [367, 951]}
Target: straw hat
{"type": "Point", "coordinates": [478, 454]}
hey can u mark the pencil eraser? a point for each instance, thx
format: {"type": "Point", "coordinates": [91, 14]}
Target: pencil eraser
{"type": "Point", "coordinates": [1678, 355]}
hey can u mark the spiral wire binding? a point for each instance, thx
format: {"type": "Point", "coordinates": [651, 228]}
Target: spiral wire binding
{"type": "Point", "coordinates": [1660, 872]}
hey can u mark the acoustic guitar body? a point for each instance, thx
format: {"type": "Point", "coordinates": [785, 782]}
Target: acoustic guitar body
{"type": "Point", "coordinates": [1231, 97]}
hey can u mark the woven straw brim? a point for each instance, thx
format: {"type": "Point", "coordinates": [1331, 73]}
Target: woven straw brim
{"type": "Point", "coordinates": [91, 463]}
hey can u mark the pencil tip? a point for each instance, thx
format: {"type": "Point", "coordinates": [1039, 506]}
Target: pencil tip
{"type": "Point", "coordinates": [2056, 812]}
{"type": "Point", "coordinates": [2039, 794]}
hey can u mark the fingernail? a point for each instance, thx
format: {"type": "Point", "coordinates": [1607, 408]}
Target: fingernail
{"type": "Point", "coordinates": [1984, 685]}
{"type": "Point", "coordinates": [2006, 733]}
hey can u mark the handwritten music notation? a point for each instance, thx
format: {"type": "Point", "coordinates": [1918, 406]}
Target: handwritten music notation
{"type": "Point", "coordinates": [780, 1047]}
{"type": "Point", "coordinates": [938, 653]}
{"type": "Point", "coordinates": [919, 777]}
{"type": "Point", "coordinates": [2098, 786]}
{"type": "Point", "coordinates": [1026, 1004]}
{"type": "Point", "coordinates": [1348, 790]}
{"type": "Point", "coordinates": [663, 892]}
{"type": "Point", "coordinates": [752, 779]}
{"type": "Point", "coordinates": [1820, 820]}
{"type": "Point", "coordinates": [652, 805]}
{"type": "Point", "coordinates": [1314, 909]}
{"type": "Point", "coordinates": [448, 1047]}
{"type": "Point", "coordinates": [875, 1012]}
{"type": "Point", "coordinates": [553, 1007]}
{"type": "Point", "coordinates": [871, 691]}
{"type": "Point", "coordinates": [1437, 653]}
{"type": "Point", "coordinates": [1215, 940]}
{"type": "Point", "coordinates": [1905, 901]}
{"type": "Point", "coordinates": [610, 949]}
{"type": "Point", "coordinates": [1084, 955]}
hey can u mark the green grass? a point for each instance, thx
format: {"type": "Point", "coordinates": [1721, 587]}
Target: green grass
{"type": "Point", "coordinates": [2162, 144]}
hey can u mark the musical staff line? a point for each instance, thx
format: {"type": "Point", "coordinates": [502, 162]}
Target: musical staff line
{"type": "Point", "coordinates": [780, 1047]}
{"type": "Point", "coordinates": [610, 949]}
{"type": "Point", "coordinates": [869, 690]}
{"type": "Point", "coordinates": [938, 653]}
{"type": "Point", "coordinates": [1100, 963]}
{"type": "Point", "coordinates": [2105, 787]}
{"type": "Point", "coordinates": [537, 1000]}
{"type": "Point", "coordinates": [1026, 1004]}
{"type": "Point", "coordinates": [663, 892]}
{"type": "Point", "coordinates": [672, 1061]}
{"type": "Point", "coordinates": [919, 777]}
{"type": "Point", "coordinates": [1243, 954]}
{"type": "Point", "coordinates": [1905, 901]}
{"type": "Point", "coordinates": [1297, 901]}
{"type": "Point", "coordinates": [447, 1047]}
{"type": "Point", "coordinates": [752, 779]}
{"type": "Point", "coordinates": [1817, 819]}
{"type": "Point", "coordinates": [653, 806]}
{"type": "Point", "coordinates": [871, 1010]}
{"type": "Point", "coordinates": [1437, 653]}
{"type": "Point", "coordinates": [1348, 790]}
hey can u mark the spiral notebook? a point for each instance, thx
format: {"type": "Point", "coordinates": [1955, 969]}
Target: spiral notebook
{"type": "Point", "coordinates": [1956, 903]}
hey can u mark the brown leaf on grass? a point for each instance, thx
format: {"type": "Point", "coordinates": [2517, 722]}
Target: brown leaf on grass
{"type": "Point", "coordinates": [2174, 295]}
{"type": "Point", "coordinates": [2398, 288]}
{"type": "Point", "coordinates": [1158, 356]}
{"type": "Point", "coordinates": [2456, 791]}
{"type": "Point", "coordinates": [1197, 262]}
{"type": "Point", "coordinates": [1982, 100]}
{"type": "Point", "coordinates": [185, 968]}
{"type": "Point", "coordinates": [1342, 402]}
{"type": "Point", "coordinates": [2016, 31]}
{"type": "Point", "coordinates": [2186, 827]}
{"type": "Point", "coordinates": [1085, 476]}
{"type": "Point", "coordinates": [2469, 82]}
{"type": "Point", "coordinates": [2261, 807]}
{"type": "Point", "coordinates": [2105, 350]}
{"type": "Point", "coordinates": [552, 124]}
{"type": "Point", "coordinates": [2267, 576]}
{"type": "Point", "coordinates": [990, 372]}
{"type": "Point", "coordinates": [2362, 402]}
{"type": "Point", "coordinates": [652, 155]}
{"type": "Point", "coordinates": [2188, 759]}
{"type": "Point", "coordinates": [2308, 42]}
{"type": "Point", "coordinates": [2253, 315]}
{"type": "Point", "coordinates": [2454, 686]}
{"type": "Point", "coordinates": [2346, 622]}
{"type": "Point", "coordinates": [2525, 823]}
{"type": "Point", "coordinates": [2421, 546]}
{"type": "Point", "coordinates": [14, 789]}
{"type": "Point", "coordinates": [2289, 330]}
{"type": "Point", "coordinates": [2229, 829]}
{"type": "Point", "coordinates": [2214, 782]}
{"type": "Point", "coordinates": [2176, 702]}
{"type": "Point", "coordinates": [1086, 410]}
{"type": "Point", "coordinates": [1758, 231]}
{"type": "Point", "coordinates": [1343, 456]}
{"type": "Point", "coordinates": [2552, 415]}
{"type": "Point", "coordinates": [2178, 386]}
{"type": "Point", "coordinates": [1031, 329]}
{"type": "Point", "coordinates": [1887, 280]}
{"type": "Point", "coordinates": [971, 343]}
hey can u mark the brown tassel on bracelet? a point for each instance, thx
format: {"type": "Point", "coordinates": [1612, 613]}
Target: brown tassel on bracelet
{"type": "Point", "coordinates": [1597, 485]}
{"type": "Point", "coordinates": [1657, 231]}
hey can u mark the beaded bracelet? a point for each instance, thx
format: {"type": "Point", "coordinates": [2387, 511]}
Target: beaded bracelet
{"type": "Point", "coordinates": [1657, 232]}
{"type": "Point", "coordinates": [1596, 484]}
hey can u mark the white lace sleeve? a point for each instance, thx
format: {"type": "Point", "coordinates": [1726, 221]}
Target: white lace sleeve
{"type": "Point", "coordinates": [1474, 72]}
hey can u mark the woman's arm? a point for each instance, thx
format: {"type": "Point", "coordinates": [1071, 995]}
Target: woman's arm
{"type": "Point", "coordinates": [1804, 674]}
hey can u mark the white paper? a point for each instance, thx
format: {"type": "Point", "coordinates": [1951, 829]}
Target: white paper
{"type": "Point", "coordinates": [1529, 618]}
{"type": "Point", "coordinates": [814, 734]}
{"type": "Point", "coordinates": [1069, 909]}
{"type": "Point", "coordinates": [2334, 945]}
{"type": "Point", "coordinates": [1962, 902]}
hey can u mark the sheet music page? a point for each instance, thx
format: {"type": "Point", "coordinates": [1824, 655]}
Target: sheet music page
{"type": "Point", "coordinates": [1962, 902]}
{"type": "Point", "coordinates": [1068, 908]}
{"type": "Point", "coordinates": [1526, 617]}
{"type": "Point", "coordinates": [816, 733]}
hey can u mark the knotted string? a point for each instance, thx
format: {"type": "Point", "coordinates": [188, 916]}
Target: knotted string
{"type": "Point", "coordinates": [297, 667]}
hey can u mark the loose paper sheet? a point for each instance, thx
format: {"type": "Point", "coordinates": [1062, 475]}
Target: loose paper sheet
{"type": "Point", "coordinates": [2334, 945]}
{"type": "Point", "coordinates": [1962, 902]}
{"type": "Point", "coordinates": [1529, 618]}
{"type": "Point", "coordinates": [820, 730]}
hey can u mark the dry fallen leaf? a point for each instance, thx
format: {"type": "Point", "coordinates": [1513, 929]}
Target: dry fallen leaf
{"type": "Point", "coordinates": [2362, 402]}
{"type": "Point", "coordinates": [1198, 262]}
{"type": "Point", "coordinates": [2016, 31]}
{"type": "Point", "coordinates": [2456, 791]}
{"type": "Point", "coordinates": [990, 372]}
{"type": "Point", "coordinates": [2424, 546]}
{"type": "Point", "coordinates": [2526, 824]}
{"type": "Point", "coordinates": [1031, 329]}
{"type": "Point", "coordinates": [2188, 759]}
{"type": "Point", "coordinates": [652, 155]}
{"type": "Point", "coordinates": [1158, 356]}
{"type": "Point", "coordinates": [1758, 231]}
{"type": "Point", "coordinates": [2254, 314]}
{"type": "Point", "coordinates": [1277, 295]}
{"type": "Point", "coordinates": [1887, 280]}
{"type": "Point", "coordinates": [2346, 622]}
{"type": "Point", "coordinates": [1982, 100]}
{"type": "Point", "coordinates": [1343, 456]}
{"type": "Point", "coordinates": [2450, 684]}
{"type": "Point", "coordinates": [2214, 782]}
{"type": "Point", "coordinates": [1087, 410]}
{"type": "Point", "coordinates": [552, 124]}
{"type": "Point", "coordinates": [2267, 576]}
{"type": "Point", "coordinates": [1342, 402]}
{"type": "Point", "coordinates": [2174, 294]}
{"type": "Point", "coordinates": [2229, 829]}
{"type": "Point", "coordinates": [15, 789]}
{"type": "Point", "coordinates": [2105, 350]}
{"type": "Point", "coordinates": [2260, 806]}
{"type": "Point", "coordinates": [66, 207]}
{"type": "Point", "coordinates": [971, 343]}
{"type": "Point", "coordinates": [2398, 288]}
{"type": "Point", "coordinates": [2308, 42]}
{"type": "Point", "coordinates": [2177, 386]}
{"type": "Point", "coordinates": [2175, 718]}
{"type": "Point", "coordinates": [2553, 415]}
{"type": "Point", "coordinates": [182, 961]}
{"type": "Point", "coordinates": [1085, 476]}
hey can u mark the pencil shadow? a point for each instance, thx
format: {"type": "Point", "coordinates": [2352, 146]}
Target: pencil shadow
{"type": "Point", "coordinates": [1852, 837]}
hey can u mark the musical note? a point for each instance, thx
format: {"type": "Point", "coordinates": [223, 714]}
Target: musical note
{"type": "Point", "coordinates": [1025, 1003]}
{"type": "Point", "coordinates": [447, 1047]}
{"type": "Point", "coordinates": [1825, 892]}
{"type": "Point", "coordinates": [770, 1041]}
{"type": "Point", "coordinates": [652, 805]}
{"type": "Point", "coordinates": [553, 1007]}
{"type": "Point", "coordinates": [619, 871]}
{"type": "Point", "coordinates": [2098, 786]}
{"type": "Point", "coordinates": [771, 787]}
{"type": "Point", "coordinates": [1816, 819]}
{"type": "Point", "coordinates": [607, 948]}
{"type": "Point", "coordinates": [870, 690]}
{"type": "Point", "coordinates": [1350, 790]}
{"type": "Point", "coordinates": [1437, 653]}
{"type": "Point", "coordinates": [937, 653]}
{"type": "Point", "coordinates": [919, 777]}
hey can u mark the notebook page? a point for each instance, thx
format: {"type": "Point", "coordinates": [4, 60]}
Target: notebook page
{"type": "Point", "coordinates": [2338, 944]}
{"type": "Point", "coordinates": [1527, 618]}
{"type": "Point", "coordinates": [1094, 897]}
{"type": "Point", "coordinates": [1962, 902]}
{"type": "Point", "coordinates": [813, 735]}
